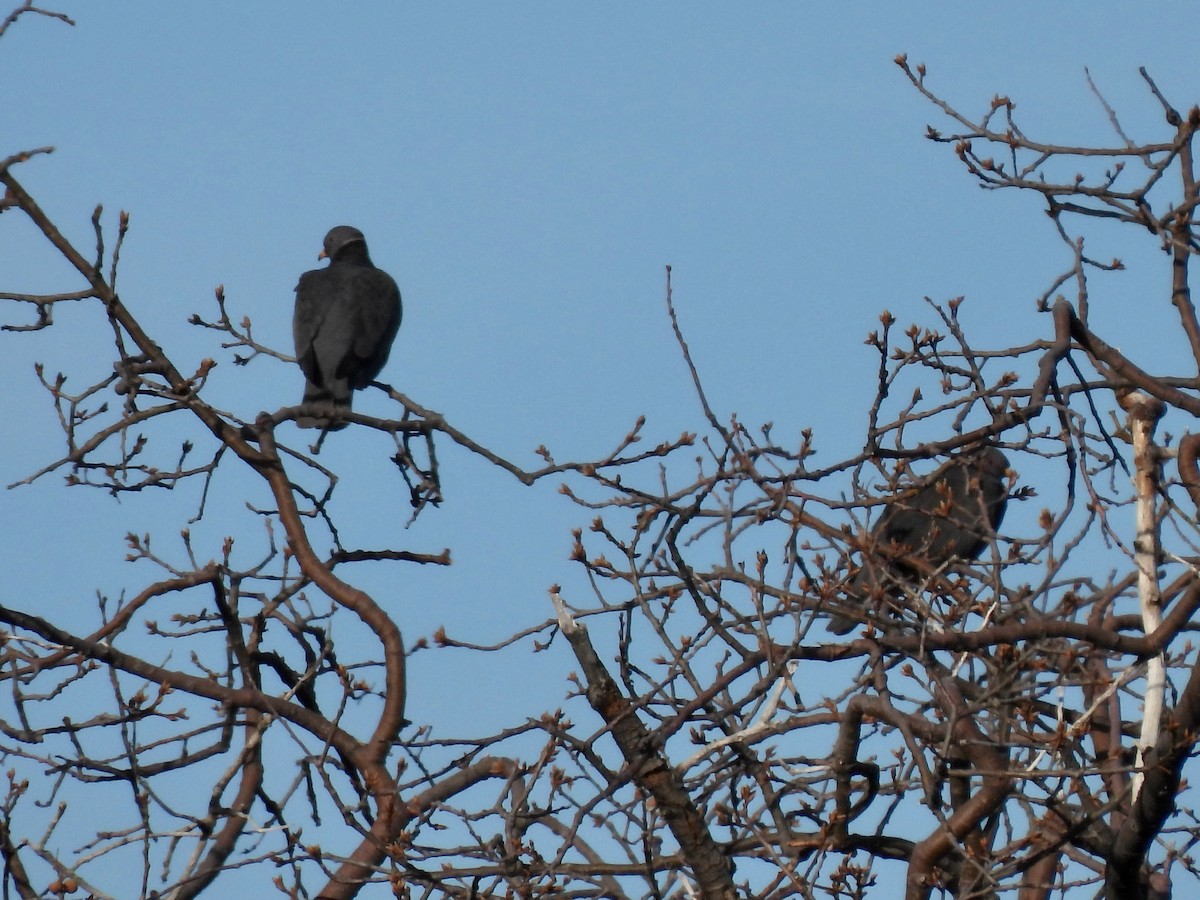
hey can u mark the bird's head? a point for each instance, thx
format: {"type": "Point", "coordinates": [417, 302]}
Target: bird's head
{"type": "Point", "coordinates": [989, 461]}
{"type": "Point", "coordinates": [339, 237]}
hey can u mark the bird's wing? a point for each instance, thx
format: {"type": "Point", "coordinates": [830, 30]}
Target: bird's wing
{"type": "Point", "coordinates": [313, 301]}
{"type": "Point", "coordinates": [925, 519]}
{"type": "Point", "coordinates": [375, 311]}
{"type": "Point", "coordinates": [966, 510]}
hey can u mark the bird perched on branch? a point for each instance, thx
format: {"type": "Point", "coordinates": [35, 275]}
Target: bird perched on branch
{"type": "Point", "coordinates": [346, 318]}
{"type": "Point", "coordinates": [953, 514]}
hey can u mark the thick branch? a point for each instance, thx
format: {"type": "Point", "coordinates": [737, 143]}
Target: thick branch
{"type": "Point", "coordinates": [649, 767]}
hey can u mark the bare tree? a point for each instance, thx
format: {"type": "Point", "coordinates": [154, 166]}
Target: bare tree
{"type": "Point", "coordinates": [1014, 725]}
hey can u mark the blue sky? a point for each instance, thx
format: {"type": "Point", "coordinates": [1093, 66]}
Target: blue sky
{"type": "Point", "coordinates": [525, 171]}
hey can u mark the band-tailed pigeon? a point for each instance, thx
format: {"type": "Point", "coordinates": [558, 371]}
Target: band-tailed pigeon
{"type": "Point", "coordinates": [346, 318]}
{"type": "Point", "coordinates": [952, 515]}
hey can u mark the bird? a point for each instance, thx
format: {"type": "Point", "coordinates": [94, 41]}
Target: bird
{"type": "Point", "coordinates": [952, 515]}
{"type": "Point", "coordinates": [346, 317]}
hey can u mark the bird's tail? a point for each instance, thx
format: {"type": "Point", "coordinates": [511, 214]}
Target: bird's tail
{"type": "Point", "coordinates": [858, 592]}
{"type": "Point", "coordinates": [337, 404]}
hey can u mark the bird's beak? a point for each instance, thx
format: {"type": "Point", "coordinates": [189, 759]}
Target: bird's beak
{"type": "Point", "coordinates": [322, 255]}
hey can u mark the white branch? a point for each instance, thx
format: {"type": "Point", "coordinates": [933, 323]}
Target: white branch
{"type": "Point", "coordinates": [1144, 412]}
{"type": "Point", "coordinates": [761, 722]}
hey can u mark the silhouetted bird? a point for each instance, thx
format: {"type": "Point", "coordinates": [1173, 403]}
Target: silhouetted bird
{"type": "Point", "coordinates": [952, 515]}
{"type": "Point", "coordinates": [346, 318]}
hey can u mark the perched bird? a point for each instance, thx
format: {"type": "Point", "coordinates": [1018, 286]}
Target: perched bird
{"type": "Point", "coordinates": [952, 515]}
{"type": "Point", "coordinates": [346, 318]}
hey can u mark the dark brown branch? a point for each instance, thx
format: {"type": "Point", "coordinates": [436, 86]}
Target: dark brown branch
{"type": "Point", "coordinates": [370, 756]}
{"type": "Point", "coordinates": [14, 868]}
{"type": "Point", "coordinates": [28, 7]}
{"type": "Point", "coordinates": [648, 767]}
{"type": "Point", "coordinates": [121, 316]}
{"type": "Point", "coordinates": [1125, 876]}
{"type": "Point", "coordinates": [970, 815]}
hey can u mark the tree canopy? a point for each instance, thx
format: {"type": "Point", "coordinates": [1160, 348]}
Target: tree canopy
{"type": "Point", "coordinates": [1017, 722]}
